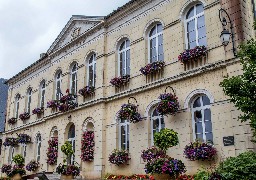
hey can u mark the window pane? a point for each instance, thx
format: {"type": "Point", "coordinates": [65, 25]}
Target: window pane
{"type": "Point", "coordinates": [199, 137]}
{"type": "Point", "coordinates": [90, 75]}
{"type": "Point", "coordinates": [192, 36]}
{"type": "Point", "coordinates": [156, 125]}
{"type": "Point", "coordinates": [208, 126]}
{"type": "Point", "coordinates": [198, 127]}
{"type": "Point", "coordinates": [160, 40]}
{"type": "Point", "coordinates": [128, 139]}
{"type": "Point", "coordinates": [162, 123]}
{"type": "Point", "coordinates": [153, 43]}
{"type": "Point", "coordinates": [192, 45]}
{"type": "Point", "coordinates": [159, 28]}
{"type": "Point", "coordinates": [153, 55]}
{"type": "Point", "coordinates": [128, 62]}
{"type": "Point", "coordinates": [198, 116]}
{"type": "Point", "coordinates": [123, 137]}
{"type": "Point", "coordinates": [206, 100]}
{"type": "Point", "coordinates": [202, 42]}
{"type": "Point", "coordinates": [199, 8]}
{"type": "Point", "coordinates": [153, 31]}
{"type": "Point", "coordinates": [94, 73]}
{"type": "Point", "coordinates": [197, 103]}
{"type": "Point", "coordinates": [127, 43]}
{"type": "Point", "coordinates": [207, 114]}
{"type": "Point", "coordinates": [191, 25]}
{"type": "Point", "coordinates": [190, 13]}
{"type": "Point", "coordinates": [160, 49]}
{"type": "Point", "coordinates": [209, 137]}
{"type": "Point", "coordinates": [122, 46]}
{"type": "Point", "coordinates": [91, 59]}
{"type": "Point", "coordinates": [42, 98]}
{"type": "Point", "coordinates": [200, 21]}
{"type": "Point", "coordinates": [123, 62]}
{"type": "Point", "coordinates": [201, 32]}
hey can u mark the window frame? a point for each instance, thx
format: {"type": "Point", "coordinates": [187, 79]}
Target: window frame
{"type": "Point", "coordinates": [38, 142]}
{"type": "Point", "coordinates": [42, 93]}
{"type": "Point", "coordinates": [125, 51]}
{"type": "Point", "coordinates": [57, 97]}
{"type": "Point", "coordinates": [71, 78]}
{"type": "Point", "coordinates": [11, 153]}
{"type": "Point", "coordinates": [195, 17]}
{"type": "Point", "coordinates": [24, 150]}
{"type": "Point", "coordinates": [152, 119]}
{"type": "Point", "coordinates": [93, 64]}
{"type": "Point", "coordinates": [157, 40]}
{"type": "Point", "coordinates": [17, 105]}
{"type": "Point", "coordinates": [126, 125]}
{"type": "Point", "coordinates": [202, 108]}
{"type": "Point", "coordinates": [73, 141]}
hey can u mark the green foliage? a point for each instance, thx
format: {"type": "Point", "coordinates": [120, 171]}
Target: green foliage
{"type": "Point", "coordinates": [166, 138]}
{"type": "Point", "coordinates": [241, 167]}
{"type": "Point", "coordinates": [242, 89]}
{"type": "Point", "coordinates": [202, 174]}
{"type": "Point", "coordinates": [18, 159]}
{"type": "Point", "coordinates": [66, 148]}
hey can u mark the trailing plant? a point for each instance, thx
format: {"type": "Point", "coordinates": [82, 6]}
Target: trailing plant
{"type": "Point", "coordinates": [67, 102]}
{"type": "Point", "coordinates": [68, 170]}
{"type": "Point", "coordinates": [118, 81]}
{"type": "Point", "coordinates": [66, 148]}
{"type": "Point", "coordinates": [24, 116]}
{"type": "Point", "coordinates": [133, 177]}
{"type": "Point", "coordinates": [6, 168]}
{"type": "Point", "coordinates": [129, 112]}
{"type": "Point", "coordinates": [32, 165]}
{"type": "Point", "coordinates": [200, 151]}
{"type": "Point", "coordinates": [202, 174]}
{"type": "Point", "coordinates": [166, 138]}
{"type": "Point", "coordinates": [192, 54]}
{"type": "Point", "coordinates": [52, 151]}
{"type": "Point", "coordinates": [119, 157]}
{"type": "Point", "coordinates": [24, 138]}
{"type": "Point", "coordinates": [18, 160]}
{"type": "Point", "coordinates": [12, 120]}
{"type": "Point", "coordinates": [87, 146]}
{"type": "Point", "coordinates": [38, 111]}
{"type": "Point", "coordinates": [241, 167]}
{"type": "Point", "coordinates": [167, 165]}
{"type": "Point", "coordinates": [87, 91]}
{"type": "Point", "coordinates": [152, 68]}
{"type": "Point", "coordinates": [152, 153]}
{"type": "Point", "coordinates": [10, 141]}
{"type": "Point", "coordinates": [52, 104]}
{"type": "Point", "coordinates": [241, 89]}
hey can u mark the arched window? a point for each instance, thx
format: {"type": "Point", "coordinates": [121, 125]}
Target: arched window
{"type": "Point", "coordinates": [58, 85]}
{"type": "Point", "coordinates": [17, 105]}
{"type": "Point", "coordinates": [71, 139]}
{"type": "Point", "coordinates": [201, 117]}
{"type": "Point", "coordinates": [123, 134]}
{"type": "Point", "coordinates": [195, 27]}
{"type": "Point", "coordinates": [42, 93]}
{"type": "Point", "coordinates": [124, 58]}
{"type": "Point", "coordinates": [73, 79]}
{"type": "Point", "coordinates": [91, 72]}
{"type": "Point", "coordinates": [157, 123]}
{"type": "Point", "coordinates": [38, 146]}
{"type": "Point", "coordinates": [156, 51]}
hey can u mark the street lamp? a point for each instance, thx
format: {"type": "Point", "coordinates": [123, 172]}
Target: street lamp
{"type": "Point", "coordinates": [225, 34]}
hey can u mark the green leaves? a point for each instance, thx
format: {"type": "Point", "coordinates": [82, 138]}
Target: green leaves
{"type": "Point", "coordinates": [67, 149]}
{"type": "Point", "coordinates": [18, 159]}
{"type": "Point", "coordinates": [166, 138]}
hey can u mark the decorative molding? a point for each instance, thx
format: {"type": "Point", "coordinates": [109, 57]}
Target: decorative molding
{"type": "Point", "coordinates": [212, 4]}
{"type": "Point", "coordinates": [137, 40]}
{"type": "Point", "coordinates": [150, 107]}
{"type": "Point", "coordinates": [172, 24]}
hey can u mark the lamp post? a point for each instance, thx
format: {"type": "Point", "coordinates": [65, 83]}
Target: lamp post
{"type": "Point", "coordinates": [225, 34]}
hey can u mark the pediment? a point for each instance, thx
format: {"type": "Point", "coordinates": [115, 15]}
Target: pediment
{"type": "Point", "coordinates": [76, 26]}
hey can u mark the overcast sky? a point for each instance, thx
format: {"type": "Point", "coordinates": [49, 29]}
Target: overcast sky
{"type": "Point", "coordinates": [29, 27]}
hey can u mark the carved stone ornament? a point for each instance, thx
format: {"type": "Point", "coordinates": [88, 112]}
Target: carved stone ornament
{"type": "Point", "coordinates": [75, 32]}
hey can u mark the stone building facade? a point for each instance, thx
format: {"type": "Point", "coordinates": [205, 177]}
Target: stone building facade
{"type": "Point", "coordinates": [90, 51]}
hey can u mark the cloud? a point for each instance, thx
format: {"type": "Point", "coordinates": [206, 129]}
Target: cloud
{"type": "Point", "coordinates": [29, 27]}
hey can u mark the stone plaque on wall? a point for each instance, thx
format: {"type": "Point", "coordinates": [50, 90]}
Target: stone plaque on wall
{"type": "Point", "coordinates": [228, 141]}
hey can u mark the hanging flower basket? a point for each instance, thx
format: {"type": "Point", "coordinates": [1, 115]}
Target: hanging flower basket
{"type": "Point", "coordinates": [119, 157]}
{"type": "Point", "coordinates": [168, 104]}
{"type": "Point", "coordinates": [24, 138]}
{"type": "Point", "coordinates": [153, 68]}
{"type": "Point", "coordinates": [53, 104]}
{"type": "Point", "coordinates": [152, 153]}
{"type": "Point", "coordinates": [200, 151]}
{"type": "Point", "coordinates": [10, 141]}
{"type": "Point", "coordinates": [87, 146]}
{"type": "Point", "coordinates": [119, 81]}
{"type": "Point", "coordinates": [68, 170]}
{"type": "Point", "coordinates": [32, 165]}
{"type": "Point", "coordinates": [129, 112]}
{"type": "Point", "coordinates": [38, 111]}
{"type": "Point", "coordinates": [87, 91]}
{"type": "Point", "coordinates": [192, 54]}
{"type": "Point", "coordinates": [52, 151]}
{"type": "Point", "coordinates": [24, 116]}
{"type": "Point", "coordinates": [12, 121]}
{"type": "Point", "coordinates": [17, 172]}
{"type": "Point", "coordinates": [6, 168]}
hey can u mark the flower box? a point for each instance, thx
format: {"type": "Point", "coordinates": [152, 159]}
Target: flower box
{"type": "Point", "coordinates": [68, 170]}
{"type": "Point", "coordinates": [10, 141]}
{"type": "Point", "coordinates": [119, 157]}
{"type": "Point", "coordinates": [153, 68]}
{"type": "Point", "coordinates": [52, 104]}
{"type": "Point", "coordinates": [193, 54]}
{"type": "Point", "coordinates": [38, 111]}
{"type": "Point", "coordinates": [32, 165]}
{"type": "Point", "coordinates": [87, 146]}
{"type": "Point", "coordinates": [119, 81]}
{"type": "Point", "coordinates": [66, 107]}
{"type": "Point", "coordinates": [24, 116]}
{"type": "Point", "coordinates": [200, 151]}
{"type": "Point", "coordinates": [24, 138]}
{"type": "Point", "coordinates": [87, 91]}
{"type": "Point", "coordinates": [52, 151]}
{"type": "Point", "coordinates": [12, 121]}
{"type": "Point", "coordinates": [129, 112]}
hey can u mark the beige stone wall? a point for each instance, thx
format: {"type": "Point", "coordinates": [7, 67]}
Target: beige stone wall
{"type": "Point", "coordinates": [102, 108]}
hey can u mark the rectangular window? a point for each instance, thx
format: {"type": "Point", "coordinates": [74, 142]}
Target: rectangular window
{"type": "Point", "coordinates": [17, 109]}
{"type": "Point", "coordinates": [254, 8]}
{"type": "Point", "coordinates": [42, 97]}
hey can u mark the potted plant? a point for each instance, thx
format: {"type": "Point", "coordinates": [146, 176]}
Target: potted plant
{"type": "Point", "coordinates": [87, 147]}
{"type": "Point", "coordinates": [119, 157]}
{"type": "Point", "coordinates": [52, 151]}
{"type": "Point", "coordinates": [152, 68]}
{"type": "Point", "coordinates": [199, 151]}
{"type": "Point", "coordinates": [121, 80]}
{"type": "Point", "coordinates": [38, 111]}
{"type": "Point", "coordinates": [24, 116]}
{"type": "Point", "coordinates": [12, 120]}
{"type": "Point", "coordinates": [166, 138]}
{"type": "Point", "coordinates": [67, 171]}
{"type": "Point", "coordinates": [24, 138]}
{"type": "Point", "coordinates": [192, 54]}
{"type": "Point", "coordinates": [129, 112]}
{"type": "Point", "coordinates": [18, 169]}
{"type": "Point", "coordinates": [87, 91]}
{"type": "Point", "coordinates": [32, 165]}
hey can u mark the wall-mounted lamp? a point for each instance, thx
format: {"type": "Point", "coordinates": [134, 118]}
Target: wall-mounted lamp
{"type": "Point", "coordinates": [226, 34]}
